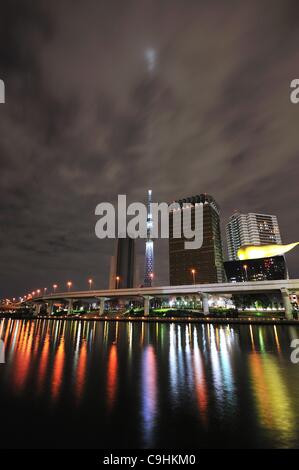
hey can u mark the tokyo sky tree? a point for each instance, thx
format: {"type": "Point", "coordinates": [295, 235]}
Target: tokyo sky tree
{"type": "Point", "coordinates": [149, 245]}
{"type": "Point", "coordinates": [150, 56]}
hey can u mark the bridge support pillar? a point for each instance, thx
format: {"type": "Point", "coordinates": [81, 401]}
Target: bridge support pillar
{"type": "Point", "coordinates": [37, 308]}
{"type": "Point", "coordinates": [147, 305]}
{"type": "Point", "coordinates": [102, 306]}
{"type": "Point", "coordinates": [50, 307]}
{"type": "Point", "coordinates": [205, 303]}
{"type": "Point", "coordinates": [70, 306]}
{"type": "Point", "coordinates": [287, 303]}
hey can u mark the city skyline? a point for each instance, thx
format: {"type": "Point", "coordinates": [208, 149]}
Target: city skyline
{"type": "Point", "coordinates": [139, 262]}
{"type": "Point", "coordinates": [74, 130]}
{"type": "Point", "coordinates": [114, 280]}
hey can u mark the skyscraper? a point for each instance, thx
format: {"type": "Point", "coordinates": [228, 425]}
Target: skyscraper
{"type": "Point", "coordinates": [202, 265]}
{"type": "Point", "coordinates": [149, 245]}
{"type": "Point", "coordinates": [251, 229]}
{"type": "Point", "coordinates": [122, 264]}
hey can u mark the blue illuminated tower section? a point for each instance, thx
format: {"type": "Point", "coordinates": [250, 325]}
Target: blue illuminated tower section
{"type": "Point", "coordinates": [149, 245]}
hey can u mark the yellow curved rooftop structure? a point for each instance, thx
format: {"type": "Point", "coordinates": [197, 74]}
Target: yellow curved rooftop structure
{"type": "Point", "coordinates": [264, 251]}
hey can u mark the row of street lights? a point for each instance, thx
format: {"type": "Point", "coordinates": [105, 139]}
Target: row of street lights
{"type": "Point", "coordinates": [55, 287]}
{"type": "Point", "coordinates": [38, 292]}
{"type": "Point", "coordinates": [117, 278]}
{"type": "Point", "coordinates": [69, 285]}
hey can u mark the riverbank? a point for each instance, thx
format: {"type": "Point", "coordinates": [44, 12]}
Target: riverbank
{"type": "Point", "coordinates": [151, 319]}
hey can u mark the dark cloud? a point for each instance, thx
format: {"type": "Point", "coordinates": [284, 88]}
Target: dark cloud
{"type": "Point", "coordinates": [74, 130]}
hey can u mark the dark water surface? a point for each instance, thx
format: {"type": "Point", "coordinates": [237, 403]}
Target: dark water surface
{"type": "Point", "coordinates": [144, 385]}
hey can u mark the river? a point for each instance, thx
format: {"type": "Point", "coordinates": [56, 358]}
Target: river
{"type": "Point", "coordinates": [89, 384]}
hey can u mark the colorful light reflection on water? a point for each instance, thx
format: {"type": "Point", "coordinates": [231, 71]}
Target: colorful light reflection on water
{"type": "Point", "coordinates": [109, 384]}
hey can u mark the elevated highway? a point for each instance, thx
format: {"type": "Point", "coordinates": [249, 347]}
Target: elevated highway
{"type": "Point", "coordinates": [285, 287]}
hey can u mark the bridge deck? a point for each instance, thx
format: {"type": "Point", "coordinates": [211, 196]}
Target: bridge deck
{"type": "Point", "coordinates": [221, 288]}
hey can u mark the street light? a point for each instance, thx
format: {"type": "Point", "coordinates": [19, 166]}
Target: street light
{"type": "Point", "coordinates": [69, 285]}
{"type": "Point", "coordinates": [38, 291]}
{"type": "Point", "coordinates": [193, 274]}
{"type": "Point", "coordinates": [117, 282]}
{"type": "Point", "coordinates": [90, 281]}
{"type": "Point", "coordinates": [45, 290]}
{"type": "Point", "coordinates": [245, 269]}
{"type": "Point", "coordinates": [54, 287]}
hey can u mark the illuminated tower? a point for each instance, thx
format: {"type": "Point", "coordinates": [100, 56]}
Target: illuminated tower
{"type": "Point", "coordinates": [149, 245]}
{"type": "Point", "coordinates": [151, 91]}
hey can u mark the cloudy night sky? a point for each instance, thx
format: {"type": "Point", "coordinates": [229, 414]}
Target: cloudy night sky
{"type": "Point", "coordinates": [74, 129]}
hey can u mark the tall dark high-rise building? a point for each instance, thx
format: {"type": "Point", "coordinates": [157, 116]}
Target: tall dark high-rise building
{"type": "Point", "coordinates": [202, 265]}
{"type": "Point", "coordinates": [122, 264]}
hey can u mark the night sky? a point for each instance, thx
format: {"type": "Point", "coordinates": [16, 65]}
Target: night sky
{"type": "Point", "coordinates": [74, 129]}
